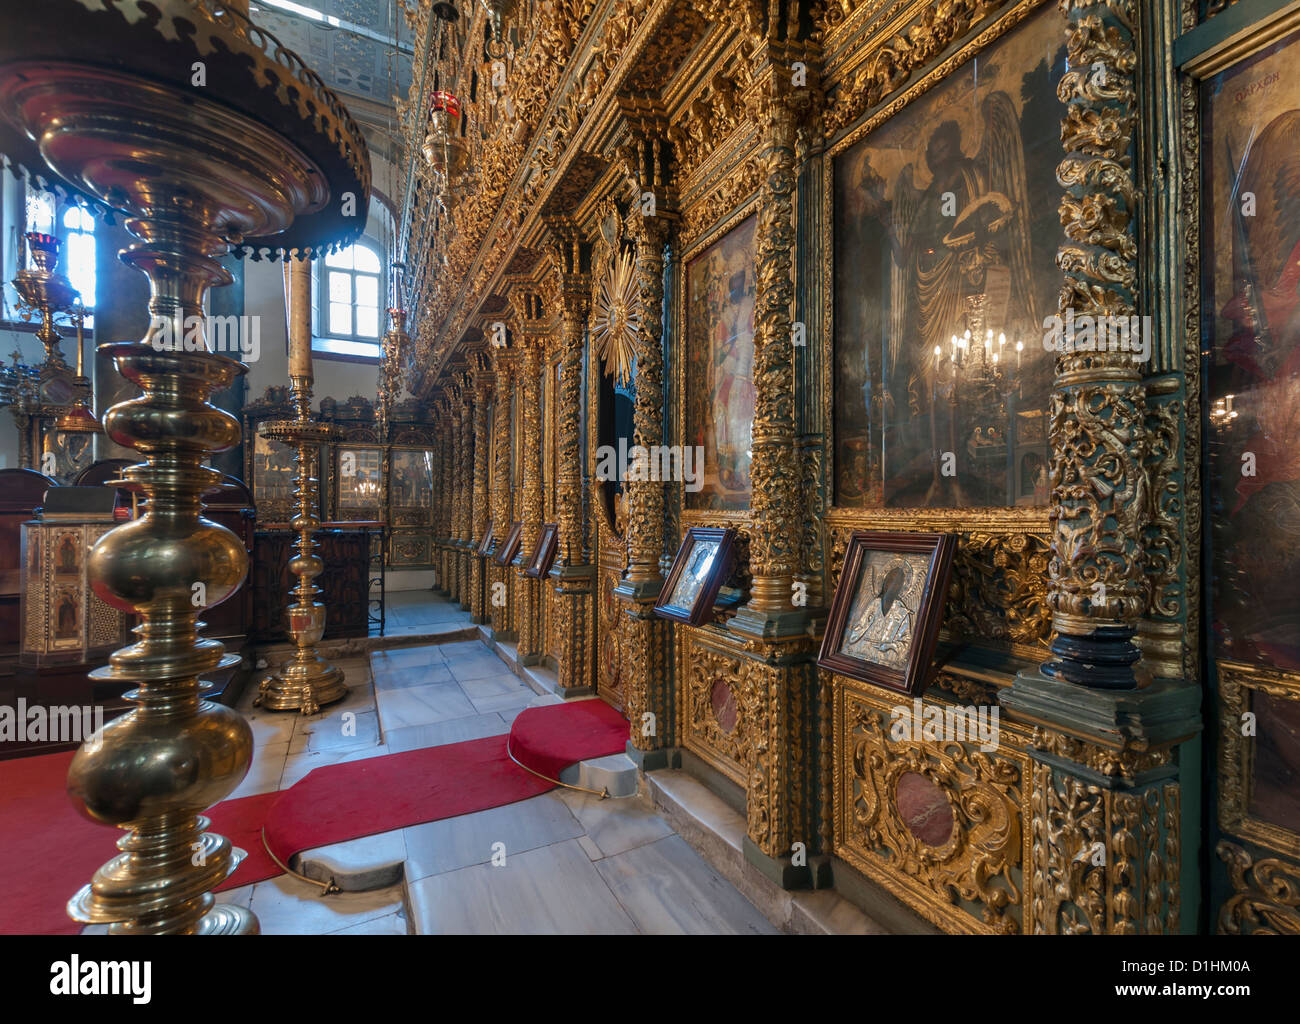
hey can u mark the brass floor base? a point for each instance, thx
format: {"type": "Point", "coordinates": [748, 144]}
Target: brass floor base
{"type": "Point", "coordinates": [305, 687]}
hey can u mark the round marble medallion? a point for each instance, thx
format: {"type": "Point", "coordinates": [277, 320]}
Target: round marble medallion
{"type": "Point", "coordinates": [724, 705]}
{"type": "Point", "coordinates": [923, 808]}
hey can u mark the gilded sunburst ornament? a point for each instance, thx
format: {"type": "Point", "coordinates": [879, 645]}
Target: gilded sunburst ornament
{"type": "Point", "coordinates": [616, 318]}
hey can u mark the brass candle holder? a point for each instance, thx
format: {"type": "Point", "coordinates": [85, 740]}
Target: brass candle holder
{"type": "Point", "coordinates": [98, 102]}
{"type": "Point", "coordinates": [43, 289]}
{"type": "Point", "coordinates": [307, 682]}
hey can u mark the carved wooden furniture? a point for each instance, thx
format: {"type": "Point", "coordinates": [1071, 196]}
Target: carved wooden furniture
{"type": "Point", "coordinates": [21, 493]}
{"type": "Point", "coordinates": [346, 586]}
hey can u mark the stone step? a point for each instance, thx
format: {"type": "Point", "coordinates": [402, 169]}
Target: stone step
{"type": "Point", "coordinates": [616, 774]}
{"type": "Point", "coordinates": [717, 832]}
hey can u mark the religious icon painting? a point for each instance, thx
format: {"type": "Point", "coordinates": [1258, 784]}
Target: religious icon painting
{"type": "Point", "coordinates": [507, 551]}
{"type": "Point", "coordinates": [696, 576]}
{"type": "Point", "coordinates": [885, 617]}
{"type": "Point", "coordinates": [543, 551]}
{"type": "Point", "coordinates": [944, 267]}
{"type": "Point", "coordinates": [719, 413]}
{"type": "Point", "coordinates": [485, 545]}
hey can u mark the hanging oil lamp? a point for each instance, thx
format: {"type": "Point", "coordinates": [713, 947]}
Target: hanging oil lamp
{"type": "Point", "coordinates": [444, 149]}
{"type": "Point", "coordinates": [498, 11]}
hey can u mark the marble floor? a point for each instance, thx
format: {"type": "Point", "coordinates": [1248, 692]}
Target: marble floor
{"type": "Point", "coordinates": [564, 862]}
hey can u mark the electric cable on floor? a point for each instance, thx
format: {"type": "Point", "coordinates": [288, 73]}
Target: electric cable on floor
{"type": "Point", "coordinates": [327, 888]}
{"type": "Point", "coordinates": [602, 793]}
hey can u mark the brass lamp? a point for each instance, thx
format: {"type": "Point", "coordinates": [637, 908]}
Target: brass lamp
{"type": "Point", "coordinates": [79, 419]}
{"type": "Point", "coordinates": [97, 101]}
{"type": "Point", "coordinates": [43, 289]}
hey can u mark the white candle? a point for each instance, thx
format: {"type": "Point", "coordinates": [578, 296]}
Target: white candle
{"type": "Point", "coordinates": [297, 307]}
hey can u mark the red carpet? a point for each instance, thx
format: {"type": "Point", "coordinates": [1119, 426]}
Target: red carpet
{"type": "Point", "coordinates": [48, 850]}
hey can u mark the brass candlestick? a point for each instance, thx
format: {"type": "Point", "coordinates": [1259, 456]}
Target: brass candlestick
{"type": "Point", "coordinates": [99, 103]}
{"type": "Point", "coordinates": [43, 289]}
{"type": "Point", "coordinates": [307, 682]}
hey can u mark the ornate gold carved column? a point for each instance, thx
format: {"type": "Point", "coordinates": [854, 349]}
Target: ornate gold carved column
{"type": "Point", "coordinates": [457, 395]}
{"type": "Point", "coordinates": [482, 512]}
{"type": "Point", "coordinates": [465, 490]}
{"type": "Point", "coordinates": [778, 673]}
{"type": "Point", "coordinates": [1100, 501]}
{"type": "Point", "coordinates": [528, 311]}
{"type": "Point", "coordinates": [648, 691]}
{"type": "Point", "coordinates": [445, 496]}
{"type": "Point", "coordinates": [776, 504]}
{"type": "Point", "coordinates": [1106, 825]}
{"type": "Point", "coordinates": [572, 575]}
{"type": "Point", "coordinates": [500, 579]}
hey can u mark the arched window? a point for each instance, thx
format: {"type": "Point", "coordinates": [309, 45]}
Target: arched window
{"type": "Point", "coordinates": [75, 228]}
{"type": "Point", "coordinates": [79, 244]}
{"type": "Point", "coordinates": [351, 286]}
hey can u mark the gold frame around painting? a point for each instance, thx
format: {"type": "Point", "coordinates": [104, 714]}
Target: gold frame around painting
{"type": "Point", "coordinates": [1240, 685]}
{"type": "Point", "coordinates": [1000, 609]}
{"type": "Point", "coordinates": [694, 247]}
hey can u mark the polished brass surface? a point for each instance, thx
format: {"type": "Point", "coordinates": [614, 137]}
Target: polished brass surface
{"type": "Point", "coordinates": [44, 290]}
{"type": "Point", "coordinates": [192, 175]}
{"type": "Point", "coordinates": [306, 682]}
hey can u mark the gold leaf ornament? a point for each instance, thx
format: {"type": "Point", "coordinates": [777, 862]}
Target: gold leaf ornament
{"type": "Point", "coordinates": [616, 319]}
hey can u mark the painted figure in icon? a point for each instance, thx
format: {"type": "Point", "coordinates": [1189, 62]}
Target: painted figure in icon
{"type": "Point", "coordinates": [882, 631]}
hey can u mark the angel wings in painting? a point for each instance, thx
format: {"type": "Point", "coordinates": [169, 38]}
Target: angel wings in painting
{"type": "Point", "coordinates": [957, 229]}
{"type": "Point", "coordinates": [963, 235]}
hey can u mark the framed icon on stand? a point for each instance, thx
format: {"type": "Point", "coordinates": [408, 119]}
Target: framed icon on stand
{"type": "Point", "coordinates": [510, 547]}
{"type": "Point", "coordinates": [885, 616]}
{"type": "Point", "coordinates": [696, 576]}
{"type": "Point", "coordinates": [548, 540]}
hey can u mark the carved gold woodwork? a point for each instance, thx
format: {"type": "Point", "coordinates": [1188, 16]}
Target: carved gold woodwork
{"type": "Point", "coordinates": [776, 504]}
{"type": "Point", "coordinates": [715, 139]}
{"type": "Point", "coordinates": [889, 63]}
{"type": "Point", "coordinates": [480, 512]}
{"type": "Point", "coordinates": [532, 339]}
{"type": "Point", "coordinates": [969, 880]}
{"type": "Point", "coordinates": [1097, 413]}
{"type": "Point", "coordinates": [1104, 861]}
{"type": "Point", "coordinates": [719, 710]}
{"type": "Point", "coordinates": [1266, 894]}
{"type": "Point", "coordinates": [1238, 685]}
{"type": "Point", "coordinates": [501, 580]}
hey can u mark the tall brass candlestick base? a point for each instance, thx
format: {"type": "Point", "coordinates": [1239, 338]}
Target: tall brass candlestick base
{"type": "Point", "coordinates": [97, 101]}
{"type": "Point", "coordinates": [306, 682]}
